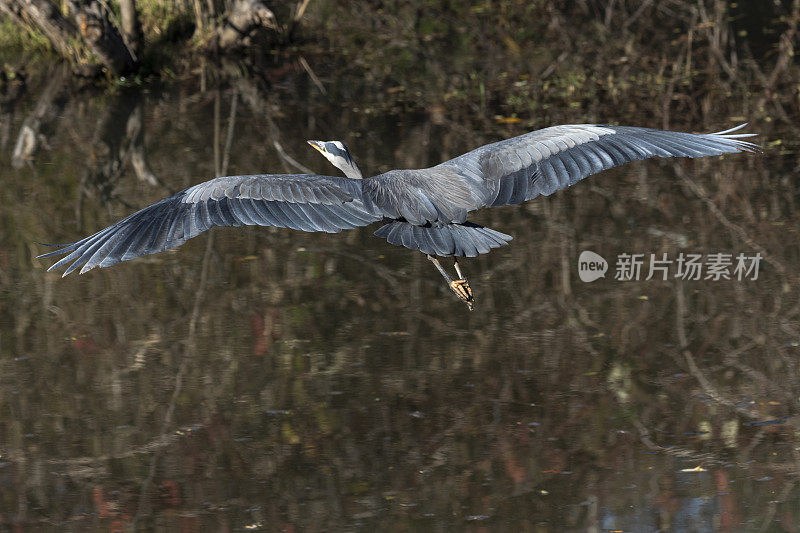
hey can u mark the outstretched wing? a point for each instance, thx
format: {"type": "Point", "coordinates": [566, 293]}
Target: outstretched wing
{"type": "Point", "coordinates": [305, 202]}
{"type": "Point", "coordinates": [548, 160]}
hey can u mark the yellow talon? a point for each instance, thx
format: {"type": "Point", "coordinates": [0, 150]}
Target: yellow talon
{"type": "Point", "coordinates": [463, 291]}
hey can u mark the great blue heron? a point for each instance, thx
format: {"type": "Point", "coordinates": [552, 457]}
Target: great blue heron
{"type": "Point", "coordinates": [422, 209]}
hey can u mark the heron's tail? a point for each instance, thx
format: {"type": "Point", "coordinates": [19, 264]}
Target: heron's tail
{"type": "Point", "coordinates": [463, 240]}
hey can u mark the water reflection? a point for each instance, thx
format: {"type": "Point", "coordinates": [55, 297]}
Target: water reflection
{"type": "Point", "coordinates": [277, 379]}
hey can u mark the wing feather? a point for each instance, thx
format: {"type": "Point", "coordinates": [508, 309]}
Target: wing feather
{"type": "Point", "coordinates": [307, 202]}
{"type": "Point", "coordinates": [554, 158]}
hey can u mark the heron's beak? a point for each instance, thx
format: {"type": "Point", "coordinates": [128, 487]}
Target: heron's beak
{"type": "Point", "coordinates": [318, 146]}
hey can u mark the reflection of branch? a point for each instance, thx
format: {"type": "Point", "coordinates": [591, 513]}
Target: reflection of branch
{"type": "Point", "coordinates": [159, 442]}
{"type": "Point", "coordinates": [708, 388]}
{"type": "Point", "coordinates": [139, 357]}
{"type": "Point", "coordinates": [191, 340]}
{"type": "Point", "coordinates": [675, 451]}
{"type": "Point", "coordinates": [713, 31]}
{"type": "Point", "coordinates": [229, 136]}
{"type": "Point", "coordinates": [113, 145]}
{"type": "Point", "coordinates": [755, 441]}
{"type": "Point", "coordinates": [274, 133]}
{"type": "Point", "coordinates": [252, 95]}
{"type": "Point", "coordinates": [786, 54]}
{"type": "Point", "coordinates": [731, 359]}
{"type": "Point", "coordinates": [300, 10]}
{"type": "Point", "coordinates": [631, 19]}
{"type": "Point", "coordinates": [11, 89]}
{"type": "Point", "coordinates": [706, 458]}
{"type": "Point", "coordinates": [46, 108]}
{"type": "Point", "coordinates": [312, 75]}
{"type": "Point", "coordinates": [734, 228]}
{"type": "Point", "coordinates": [135, 134]}
{"type": "Point", "coordinates": [773, 504]}
{"type": "Point", "coordinates": [380, 270]}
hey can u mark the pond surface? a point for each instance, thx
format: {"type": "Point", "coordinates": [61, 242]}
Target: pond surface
{"type": "Point", "coordinates": [260, 378]}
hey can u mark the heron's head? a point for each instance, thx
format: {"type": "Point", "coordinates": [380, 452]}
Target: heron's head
{"type": "Point", "coordinates": [339, 156]}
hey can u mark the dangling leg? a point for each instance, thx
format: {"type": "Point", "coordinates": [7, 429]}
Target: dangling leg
{"type": "Point", "coordinates": [458, 269]}
{"type": "Point", "coordinates": [460, 287]}
{"type": "Point", "coordinates": [463, 286]}
{"type": "Point", "coordinates": [439, 267]}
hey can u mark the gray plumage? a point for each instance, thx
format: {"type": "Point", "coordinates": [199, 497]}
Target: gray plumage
{"type": "Point", "coordinates": [423, 209]}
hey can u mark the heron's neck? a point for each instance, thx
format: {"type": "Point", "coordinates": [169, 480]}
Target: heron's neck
{"type": "Point", "coordinates": [351, 170]}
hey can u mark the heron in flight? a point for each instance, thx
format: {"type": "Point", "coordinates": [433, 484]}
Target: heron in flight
{"type": "Point", "coordinates": [421, 209]}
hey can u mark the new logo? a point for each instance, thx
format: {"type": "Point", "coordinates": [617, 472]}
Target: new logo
{"type": "Point", "coordinates": [591, 266]}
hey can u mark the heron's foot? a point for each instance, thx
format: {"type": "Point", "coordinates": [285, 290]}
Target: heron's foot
{"type": "Point", "coordinates": [460, 286]}
{"type": "Point", "coordinates": [463, 291]}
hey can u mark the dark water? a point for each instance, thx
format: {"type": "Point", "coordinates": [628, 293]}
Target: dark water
{"type": "Point", "coordinates": [268, 379]}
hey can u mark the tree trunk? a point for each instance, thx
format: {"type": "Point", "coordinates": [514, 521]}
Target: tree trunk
{"type": "Point", "coordinates": [93, 24]}
{"type": "Point", "coordinates": [244, 17]}
{"type": "Point", "coordinates": [102, 36]}
{"type": "Point", "coordinates": [199, 17]}
{"type": "Point", "coordinates": [131, 27]}
{"type": "Point", "coordinates": [43, 15]}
